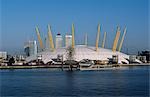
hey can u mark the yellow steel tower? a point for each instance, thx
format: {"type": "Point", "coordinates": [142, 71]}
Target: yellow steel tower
{"type": "Point", "coordinates": [120, 46]}
{"type": "Point", "coordinates": [104, 39]}
{"type": "Point", "coordinates": [50, 38]}
{"type": "Point", "coordinates": [116, 39]}
{"type": "Point", "coordinates": [73, 40]}
{"type": "Point", "coordinates": [39, 37]}
{"type": "Point", "coordinates": [97, 39]}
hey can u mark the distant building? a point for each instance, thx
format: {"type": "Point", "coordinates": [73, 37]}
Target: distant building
{"type": "Point", "coordinates": [30, 48]}
{"type": "Point", "coordinates": [26, 50]}
{"type": "Point", "coordinates": [19, 58]}
{"type": "Point", "coordinates": [146, 54]}
{"type": "Point", "coordinates": [47, 46]}
{"type": "Point", "coordinates": [68, 39]}
{"type": "Point", "coordinates": [59, 40]}
{"type": "Point", "coordinates": [142, 58]}
{"type": "Point", "coordinates": [132, 58]}
{"type": "Point", "coordinates": [3, 55]}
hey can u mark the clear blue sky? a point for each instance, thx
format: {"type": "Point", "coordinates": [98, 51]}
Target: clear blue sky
{"type": "Point", "coordinates": [19, 18]}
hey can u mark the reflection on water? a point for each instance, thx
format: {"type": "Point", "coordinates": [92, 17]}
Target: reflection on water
{"type": "Point", "coordinates": [133, 81]}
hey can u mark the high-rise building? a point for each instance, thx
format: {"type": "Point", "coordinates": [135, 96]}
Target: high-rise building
{"type": "Point", "coordinates": [59, 40]}
{"type": "Point", "coordinates": [30, 48]}
{"type": "Point", "coordinates": [68, 39]}
{"type": "Point", "coordinates": [26, 49]}
{"type": "Point", "coordinates": [47, 46]}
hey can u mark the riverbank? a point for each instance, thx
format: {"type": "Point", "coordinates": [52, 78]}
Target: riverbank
{"type": "Point", "coordinates": [64, 67]}
{"type": "Point", "coordinates": [143, 64]}
{"type": "Point", "coordinates": [58, 67]}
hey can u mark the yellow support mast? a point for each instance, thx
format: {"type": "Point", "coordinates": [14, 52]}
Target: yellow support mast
{"type": "Point", "coordinates": [116, 40]}
{"type": "Point", "coordinates": [50, 38]}
{"type": "Point", "coordinates": [73, 40]}
{"type": "Point", "coordinates": [39, 37]}
{"type": "Point", "coordinates": [104, 39]}
{"type": "Point", "coordinates": [97, 39]}
{"type": "Point", "coordinates": [120, 46]}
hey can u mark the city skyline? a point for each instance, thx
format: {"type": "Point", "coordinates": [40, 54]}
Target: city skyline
{"type": "Point", "coordinates": [19, 18]}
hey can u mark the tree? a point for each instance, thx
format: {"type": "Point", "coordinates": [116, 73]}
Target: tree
{"type": "Point", "coordinates": [11, 61]}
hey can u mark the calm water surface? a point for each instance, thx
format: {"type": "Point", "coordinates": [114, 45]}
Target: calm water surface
{"type": "Point", "coordinates": [132, 81]}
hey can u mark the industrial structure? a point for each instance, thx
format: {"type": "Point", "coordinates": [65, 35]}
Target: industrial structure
{"type": "Point", "coordinates": [82, 51]}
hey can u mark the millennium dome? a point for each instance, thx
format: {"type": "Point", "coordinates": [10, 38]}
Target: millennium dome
{"type": "Point", "coordinates": [81, 52]}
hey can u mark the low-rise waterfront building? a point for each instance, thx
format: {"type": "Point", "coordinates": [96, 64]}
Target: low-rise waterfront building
{"type": "Point", "coordinates": [3, 54]}
{"type": "Point", "coordinates": [3, 57]}
{"type": "Point", "coordinates": [146, 54]}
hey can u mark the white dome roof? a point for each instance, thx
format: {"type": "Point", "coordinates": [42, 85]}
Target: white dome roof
{"type": "Point", "coordinates": [81, 52]}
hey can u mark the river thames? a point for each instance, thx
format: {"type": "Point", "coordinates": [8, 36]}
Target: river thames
{"type": "Point", "coordinates": [131, 81]}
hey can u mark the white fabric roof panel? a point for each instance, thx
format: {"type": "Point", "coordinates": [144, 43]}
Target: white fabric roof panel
{"type": "Point", "coordinates": [81, 52]}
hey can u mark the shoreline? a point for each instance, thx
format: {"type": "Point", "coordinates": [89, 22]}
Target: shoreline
{"type": "Point", "coordinates": [143, 64]}
{"type": "Point", "coordinates": [66, 67]}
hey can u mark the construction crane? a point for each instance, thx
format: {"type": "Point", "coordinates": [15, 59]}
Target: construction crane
{"type": "Point", "coordinates": [97, 39]}
{"type": "Point", "coordinates": [116, 40]}
{"type": "Point", "coordinates": [73, 40]}
{"type": "Point", "coordinates": [120, 46]}
{"type": "Point", "coordinates": [50, 38]}
{"type": "Point", "coordinates": [104, 39]}
{"type": "Point", "coordinates": [39, 37]}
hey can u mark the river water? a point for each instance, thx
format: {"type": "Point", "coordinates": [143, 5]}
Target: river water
{"type": "Point", "coordinates": [133, 81]}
